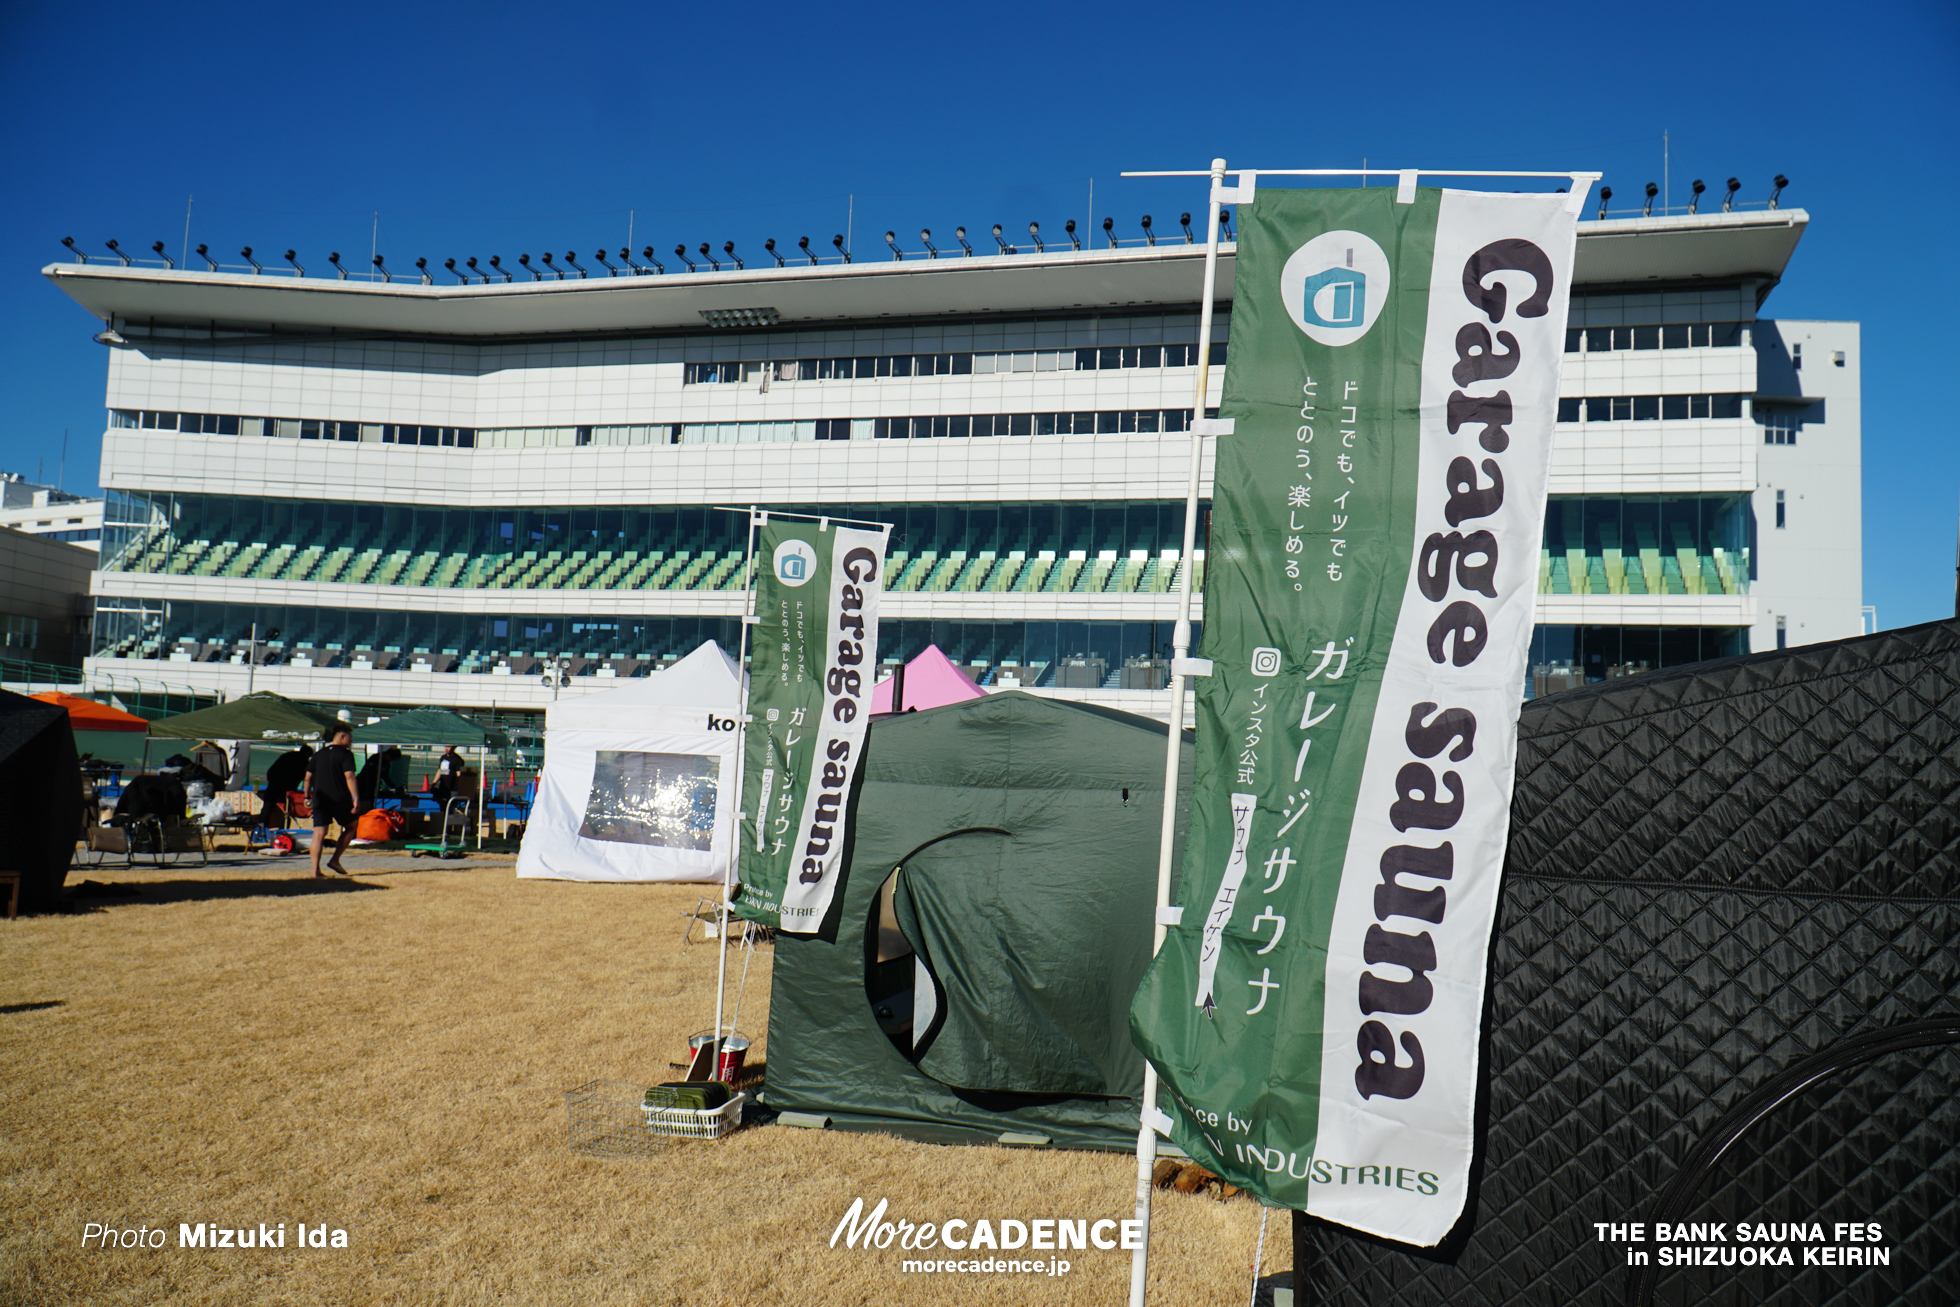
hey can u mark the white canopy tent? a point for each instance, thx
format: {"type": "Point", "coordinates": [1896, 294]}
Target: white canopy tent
{"type": "Point", "coordinates": [639, 782]}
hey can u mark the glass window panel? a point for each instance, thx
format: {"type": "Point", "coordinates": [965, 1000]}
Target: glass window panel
{"type": "Point", "coordinates": [1573, 335]}
{"type": "Point", "coordinates": [1646, 408]}
{"type": "Point", "coordinates": [1044, 424]}
{"type": "Point", "coordinates": [1599, 340]}
{"type": "Point", "coordinates": [963, 365]}
{"type": "Point", "coordinates": [1568, 410]}
{"type": "Point", "coordinates": [1725, 406]}
{"type": "Point", "coordinates": [1109, 358]}
{"type": "Point", "coordinates": [1084, 424]}
{"type": "Point", "coordinates": [1697, 406]}
{"type": "Point", "coordinates": [1622, 406]}
{"type": "Point", "coordinates": [1150, 356]}
{"type": "Point", "coordinates": [227, 426]}
{"type": "Point", "coordinates": [1147, 420]}
{"type": "Point", "coordinates": [1674, 407]}
{"type": "Point", "coordinates": [1675, 336]}
{"type": "Point", "coordinates": [1020, 424]}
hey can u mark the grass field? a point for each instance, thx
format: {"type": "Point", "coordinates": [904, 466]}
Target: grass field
{"type": "Point", "coordinates": [235, 1044]}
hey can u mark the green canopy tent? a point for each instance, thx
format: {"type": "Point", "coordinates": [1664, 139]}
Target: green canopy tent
{"type": "Point", "coordinates": [262, 717]}
{"type": "Point", "coordinates": [433, 725]}
{"type": "Point", "coordinates": [995, 921]}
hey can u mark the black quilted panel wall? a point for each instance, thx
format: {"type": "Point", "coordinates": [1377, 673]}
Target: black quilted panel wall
{"type": "Point", "coordinates": [1715, 872]}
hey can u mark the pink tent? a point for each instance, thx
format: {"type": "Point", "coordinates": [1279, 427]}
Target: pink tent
{"type": "Point", "coordinates": [932, 680]}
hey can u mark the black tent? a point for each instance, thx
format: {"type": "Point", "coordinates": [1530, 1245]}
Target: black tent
{"type": "Point", "coordinates": [996, 919]}
{"type": "Point", "coordinates": [1725, 987]}
{"type": "Point", "coordinates": [40, 797]}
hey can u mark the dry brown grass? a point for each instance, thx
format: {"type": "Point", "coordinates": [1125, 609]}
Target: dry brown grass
{"type": "Point", "coordinates": [236, 1047]}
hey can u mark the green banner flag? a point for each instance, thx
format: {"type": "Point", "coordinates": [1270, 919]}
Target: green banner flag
{"type": "Point", "coordinates": [1372, 567]}
{"type": "Point", "coordinates": [811, 667]}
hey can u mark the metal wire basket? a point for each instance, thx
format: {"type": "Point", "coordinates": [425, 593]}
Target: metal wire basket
{"type": "Point", "coordinates": [606, 1118]}
{"type": "Point", "coordinates": [620, 1118]}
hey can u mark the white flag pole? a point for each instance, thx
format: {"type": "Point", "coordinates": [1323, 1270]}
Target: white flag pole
{"type": "Point", "coordinates": [741, 750]}
{"type": "Point", "coordinates": [1173, 754]}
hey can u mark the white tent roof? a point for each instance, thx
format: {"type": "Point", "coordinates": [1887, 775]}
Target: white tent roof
{"type": "Point", "coordinates": [705, 678]}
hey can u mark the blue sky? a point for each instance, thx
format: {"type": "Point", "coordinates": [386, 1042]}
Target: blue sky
{"type": "Point", "coordinates": [499, 129]}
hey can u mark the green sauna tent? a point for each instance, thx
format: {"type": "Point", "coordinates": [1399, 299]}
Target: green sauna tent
{"type": "Point", "coordinates": [995, 920]}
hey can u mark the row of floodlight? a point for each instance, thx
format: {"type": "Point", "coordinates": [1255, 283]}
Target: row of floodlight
{"type": "Point", "coordinates": [891, 239]}
{"type": "Point", "coordinates": [470, 272]}
{"type": "Point", "coordinates": [1694, 205]}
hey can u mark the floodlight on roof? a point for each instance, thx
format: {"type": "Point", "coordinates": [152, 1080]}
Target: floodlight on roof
{"type": "Point", "coordinates": [422, 266]}
{"type": "Point", "coordinates": [1109, 231]}
{"type": "Point", "coordinates": [1735, 184]}
{"type": "Point", "coordinates": [470, 263]}
{"type": "Point", "coordinates": [74, 249]}
{"type": "Point", "coordinates": [626, 257]}
{"type": "Point", "coordinates": [647, 254]}
{"type": "Point", "coordinates": [1781, 182]}
{"type": "Point", "coordinates": [838, 241]}
{"type": "Point", "coordinates": [925, 239]}
{"type": "Point", "coordinates": [680, 252]}
{"type": "Point", "coordinates": [1034, 234]}
{"type": "Point", "coordinates": [1005, 248]}
{"type": "Point", "coordinates": [728, 248]}
{"type": "Point", "coordinates": [708, 253]}
{"type": "Point", "coordinates": [379, 265]}
{"type": "Point", "coordinates": [1184, 221]}
{"type": "Point", "coordinates": [171, 263]}
{"type": "Point", "coordinates": [117, 251]}
{"type": "Point", "coordinates": [204, 252]}
{"type": "Point", "coordinates": [546, 256]}
{"type": "Point", "coordinates": [1149, 236]}
{"type": "Point", "coordinates": [770, 245]}
{"type": "Point", "coordinates": [1075, 242]}
{"type": "Point", "coordinates": [1647, 209]}
{"type": "Point", "coordinates": [891, 239]}
{"type": "Point", "coordinates": [1605, 194]}
{"type": "Point", "coordinates": [246, 254]}
{"type": "Point", "coordinates": [524, 261]}
{"type": "Point", "coordinates": [338, 267]}
{"type": "Point", "coordinates": [291, 257]}
{"type": "Point", "coordinates": [601, 256]}
{"type": "Point", "coordinates": [1698, 187]}
{"type": "Point", "coordinates": [803, 243]}
{"type": "Point", "coordinates": [571, 257]}
{"type": "Point", "coordinates": [1225, 222]}
{"type": "Point", "coordinates": [959, 234]}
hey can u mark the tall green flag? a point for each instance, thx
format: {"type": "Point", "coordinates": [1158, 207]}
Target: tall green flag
{"type": "Point", "coordinates": [1372, 565]}
{"type": "Point", "coordinates": [811, 665]}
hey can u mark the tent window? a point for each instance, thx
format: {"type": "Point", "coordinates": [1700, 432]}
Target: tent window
{"type": "Point", "coordinates": [662, 799]}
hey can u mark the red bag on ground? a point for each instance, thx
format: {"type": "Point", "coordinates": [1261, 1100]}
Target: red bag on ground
{"type": "Point", "coordinates": [378, 824]}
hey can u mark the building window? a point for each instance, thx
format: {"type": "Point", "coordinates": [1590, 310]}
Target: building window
{"type": "Point", "coordinates": [1779, 510]}
{"type": "Point", "coordinates": [1780, 426]}
{"type": "Point", "coordinates": [1837, 358]}
{"type": "Point", "coordinates": [1782, 623]}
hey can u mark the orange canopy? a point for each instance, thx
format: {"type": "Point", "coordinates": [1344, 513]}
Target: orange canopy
{"type": "Point", "coordinates": [88, 715]}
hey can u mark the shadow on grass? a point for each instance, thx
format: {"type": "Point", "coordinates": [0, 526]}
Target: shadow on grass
{"type": "Point", "coordinates": [8, 1009]}
{"type": "Point", "coordinates": [94, 896]}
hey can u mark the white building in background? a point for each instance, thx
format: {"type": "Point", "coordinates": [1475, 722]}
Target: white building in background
{"type": "Point", "coordinates": [418, 493]}
{"type": "Point", "coordinates": [50, 513]}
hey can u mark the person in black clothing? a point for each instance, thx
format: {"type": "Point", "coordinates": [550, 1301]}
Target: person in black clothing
{"type": "Point", "coordinates": [335, 794]}
{"type": "Point", "coordinates": [287, 774]}
{"type": "Point", "coordinates": [375, 778]}
{"type": "Point", "coordinates": [449, 770]}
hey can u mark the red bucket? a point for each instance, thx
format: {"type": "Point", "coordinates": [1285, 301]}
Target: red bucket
{"type": "Point", "coordinates": [728, 1066]}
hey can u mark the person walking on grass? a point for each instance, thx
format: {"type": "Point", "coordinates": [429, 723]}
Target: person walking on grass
{"type": "Point", "coordinates": [335, 791]}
